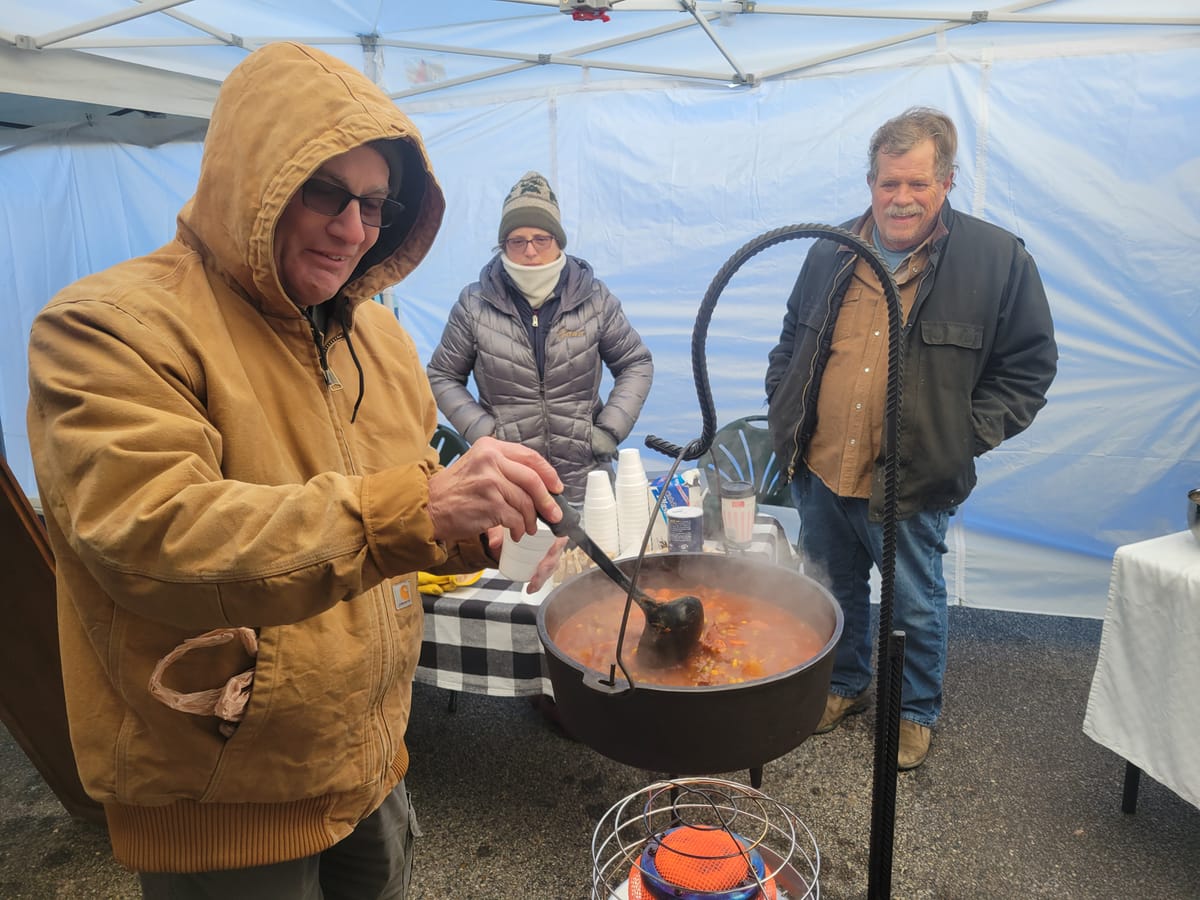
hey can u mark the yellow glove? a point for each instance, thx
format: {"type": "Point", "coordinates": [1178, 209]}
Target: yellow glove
{"type": "Point", "coordinates": [440, 584]}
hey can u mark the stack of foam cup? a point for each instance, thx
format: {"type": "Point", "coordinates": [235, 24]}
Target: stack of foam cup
{"type": "Point", "coordinates": [632, 493]}
{"type": "Point", "coordinates": [519, 559]}
{"type": "Point", "coordinates": [600, 512]}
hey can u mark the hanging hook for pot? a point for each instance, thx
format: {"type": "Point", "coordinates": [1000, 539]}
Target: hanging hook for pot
{"type": "Point", "coordinates": [699, 446]}
{"type": "Point", "coordinates": [887, 707]}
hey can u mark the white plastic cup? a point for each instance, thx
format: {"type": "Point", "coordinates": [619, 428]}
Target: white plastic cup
{"type": "Point", "coordinates": [600, 522]}
{"type": "Point", "coordinates": [738, 508]}
{"type": "Point", "coordinates": [633, 516]}
{"type": "Point", "coordinates": [600, 512]}
{"type": "Point", "coordinates": [632, 495]}
{"type": "Point", "coordinates": [599, 488]}
{"type": "Point", "coordinates": [519, 559]}
{"type": "Point", "coordinates": [630, 469]}
{"type": "Point", "coordinates": [632, 500]}
{"type": "Point", "coordinates": [606, 537]}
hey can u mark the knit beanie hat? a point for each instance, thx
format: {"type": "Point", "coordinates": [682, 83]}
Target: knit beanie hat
{"type": "Point", "coordinates": [531, 204]}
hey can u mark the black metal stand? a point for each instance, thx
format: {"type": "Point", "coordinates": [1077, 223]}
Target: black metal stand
{"type": "Point", "coordinates": [887, 745]}
{"type": "Point", "coordinates": [890, 661]}
{"type": "Point", "coordinates": [1133, 777]}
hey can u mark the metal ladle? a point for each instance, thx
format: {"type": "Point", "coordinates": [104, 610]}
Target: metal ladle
{"type": "Point", "coordinates": [673, 628]}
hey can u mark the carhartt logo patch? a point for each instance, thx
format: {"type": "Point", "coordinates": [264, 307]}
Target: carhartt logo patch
{"type": "Point", "coordinates": [402, 594]}
{"type": "Point", "coordinates": [564, 333]}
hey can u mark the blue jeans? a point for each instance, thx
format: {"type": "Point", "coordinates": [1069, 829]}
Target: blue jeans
{"type": "Point", "coordinates": [839, 545]}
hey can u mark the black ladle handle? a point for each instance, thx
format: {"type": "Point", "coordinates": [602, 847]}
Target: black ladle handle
{"type": "Point", "coordinates": [571, 526]}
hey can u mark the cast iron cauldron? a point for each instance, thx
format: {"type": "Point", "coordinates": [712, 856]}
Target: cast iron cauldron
{"type": "Point", "coordinates": [693, 730]}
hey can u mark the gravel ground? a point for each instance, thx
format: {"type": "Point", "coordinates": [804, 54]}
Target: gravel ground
{"type": "Point", "coordinates": [1014, 801]}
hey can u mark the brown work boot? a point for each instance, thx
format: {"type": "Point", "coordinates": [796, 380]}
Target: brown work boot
{"type": "Point", "coordinates": [914, 745]}
{"type": "Point", "coordinates": [837, 708]}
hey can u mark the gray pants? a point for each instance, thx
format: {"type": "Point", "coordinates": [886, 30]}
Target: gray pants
{"type": "Point", "coordinates": [373, 863]}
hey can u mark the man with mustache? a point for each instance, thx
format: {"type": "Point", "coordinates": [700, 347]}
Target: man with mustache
{"type": "Point", "coordinates": [978, 357]}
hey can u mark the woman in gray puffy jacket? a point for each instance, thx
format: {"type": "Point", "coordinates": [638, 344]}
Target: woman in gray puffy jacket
{"type": "Point", "coordinates": [536, 330]}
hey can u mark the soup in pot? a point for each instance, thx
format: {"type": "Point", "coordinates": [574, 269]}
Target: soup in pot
{"type": "Point", "coordinates": [745, 638]}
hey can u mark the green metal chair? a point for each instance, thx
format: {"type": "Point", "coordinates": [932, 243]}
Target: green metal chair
{"type": "Point", "coordinates": [449, 444]}
{"type": "Point", "coordinates": [743, 452]}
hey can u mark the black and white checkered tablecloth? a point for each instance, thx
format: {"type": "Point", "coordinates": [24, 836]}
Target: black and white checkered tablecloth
{"type": "Point", "coordinates": [483, 638]}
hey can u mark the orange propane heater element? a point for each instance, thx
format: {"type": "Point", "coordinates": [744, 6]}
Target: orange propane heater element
{"type": "Point", "coordinates": [700, 862]}
{"type": "Point", "coordinates": [703, 839]}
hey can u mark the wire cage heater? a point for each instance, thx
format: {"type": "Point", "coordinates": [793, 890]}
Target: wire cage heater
{"type": "Point", "coordinates": [693, 838]}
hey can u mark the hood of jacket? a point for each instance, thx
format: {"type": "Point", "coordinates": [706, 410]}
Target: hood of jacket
{"type": "Point", "coordinates": [255, 162]}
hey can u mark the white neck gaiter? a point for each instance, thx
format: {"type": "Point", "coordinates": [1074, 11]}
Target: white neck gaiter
{"type": "Point", "coordinates": [536, 283]}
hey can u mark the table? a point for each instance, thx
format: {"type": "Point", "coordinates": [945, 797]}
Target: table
{"type": "Point", "coordinates": [483, 638]}
{"type": "Point", "coordinates": [1142, 703]}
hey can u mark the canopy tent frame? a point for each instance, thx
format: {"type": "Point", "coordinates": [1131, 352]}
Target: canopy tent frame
{"type": "Point", "coordinates": [75, 47]}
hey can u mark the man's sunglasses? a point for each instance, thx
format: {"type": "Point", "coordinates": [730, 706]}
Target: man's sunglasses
{"type": "Point", "coordinates": [331, 200]}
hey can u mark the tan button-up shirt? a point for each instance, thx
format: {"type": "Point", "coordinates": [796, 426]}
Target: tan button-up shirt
{"type": "Point", "coordinates": [850, 404]}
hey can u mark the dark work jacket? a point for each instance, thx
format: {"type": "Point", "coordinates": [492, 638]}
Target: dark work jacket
{"type": "Point", "coordinates": [978, 357]}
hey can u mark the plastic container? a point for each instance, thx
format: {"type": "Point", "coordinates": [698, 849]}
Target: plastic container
{"type": "Point", "coordinates": [519, 559]}
{"type": "Point", "coordinates": [685, 529]}
{"type": "Point", "coordinates": [738, 508]}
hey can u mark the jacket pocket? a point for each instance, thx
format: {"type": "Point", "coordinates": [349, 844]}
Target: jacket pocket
{"type": "Point", "coordinates": [952, 334]}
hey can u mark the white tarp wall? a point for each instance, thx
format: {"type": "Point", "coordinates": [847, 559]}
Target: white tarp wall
{"type": "Point", "coordinates": [1087, 152]}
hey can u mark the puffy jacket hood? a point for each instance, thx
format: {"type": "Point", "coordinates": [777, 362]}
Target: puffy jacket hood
{"type": "Point", "coordinates": [254, 162]}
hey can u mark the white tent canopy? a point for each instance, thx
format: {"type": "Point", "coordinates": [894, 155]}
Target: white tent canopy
{"type": "Point", "coordinates": [170, 56]}
{"type": "Point", "coordinates": [674, 133]}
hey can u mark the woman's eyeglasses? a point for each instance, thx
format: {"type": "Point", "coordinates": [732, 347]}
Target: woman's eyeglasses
{"type": "Point", "coordinates": [330, 200]}
{"type": "Point", "coordinates": [518, 245]}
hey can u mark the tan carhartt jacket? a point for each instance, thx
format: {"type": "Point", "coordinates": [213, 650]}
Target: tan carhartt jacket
{"type": "Point", "coordinates": [199, 471]}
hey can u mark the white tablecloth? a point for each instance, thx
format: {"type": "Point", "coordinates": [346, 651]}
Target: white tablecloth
{"type": "Point", "coordinates": [1144, 704]}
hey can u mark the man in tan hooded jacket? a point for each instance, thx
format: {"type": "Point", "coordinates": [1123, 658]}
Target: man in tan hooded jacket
{"type": "Point", "coordinates": [231, 443]}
